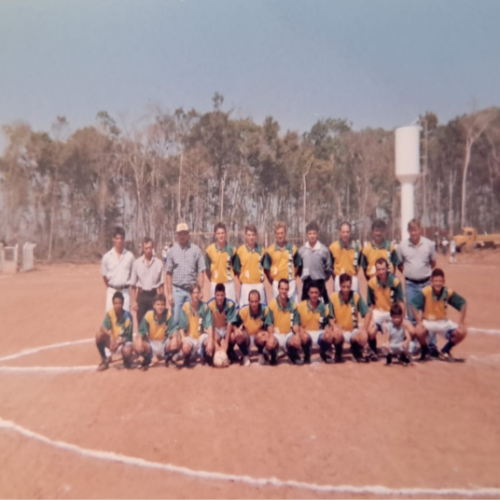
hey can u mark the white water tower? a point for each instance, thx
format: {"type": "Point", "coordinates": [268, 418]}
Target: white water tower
{"type": "Point", "coordinates": [407, 171]}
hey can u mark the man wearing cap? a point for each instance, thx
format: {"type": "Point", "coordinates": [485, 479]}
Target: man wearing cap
{"type": "Point", "coordinates": [116, 268]}
{"type": "Point", "coordinates": [185, 267]}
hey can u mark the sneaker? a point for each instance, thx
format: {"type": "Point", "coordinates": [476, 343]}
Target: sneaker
{"type": "Point", "coordinates": [307, 359]}
{"type": "Point", "coordinates": [274, 359]}
{"type": "Point", "coordinates": [295, 360]}
{"type": "Point", "coordinates": [127, 364]}
{"type": "Point", "coordinates": [233, 357]}
{"type": "Point", "coordinates": [388, 360]}
{"type": "Point", "coordinates": [447, 356]}
{"type": "Point", "coordinates": [373, 356]}
{"type": "Point", "coordinates": [434, 353]}
{"type": "Point", "coordinates": [103, 365]}
{"type": "Point", "coordinates": [246, 361]}
{"type": "Point", "coordinates": [325, 356]}
{"type": "Point", "coordinates": [145, 364]}
{"type": "Point", "coordinates": [404, 359]}
{"type": "Point", "coordinates": [263, 361]}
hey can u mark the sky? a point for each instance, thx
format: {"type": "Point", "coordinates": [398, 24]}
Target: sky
{"type": "Point", "coordinates": [378, 63]}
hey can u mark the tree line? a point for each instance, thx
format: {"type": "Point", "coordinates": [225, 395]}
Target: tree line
{"type": "Point", "coordinates": [65, 190]}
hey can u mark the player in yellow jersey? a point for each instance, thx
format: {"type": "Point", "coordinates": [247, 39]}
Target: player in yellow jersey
{"type": "Point", "coordinates": [346, 256]}
{"type": "Point", "coordinates": [282, 323]}
{"type": "Point", "coordinates": [348, 308]}
{"type": "Point", "coordinates": [282, 262]}
{"type": "Point", "coordinates": [429, 307]}
{"type": "Point", "coordinates": [248, 266]}
{"type": "Point", "coordinates": [196, 328]}
{"type": "Point", "coordinates": [219, 262]}
{"type": "Point", "coordinates": [224, 316]}
{"type": "Point", "coordinates": [378, 248]}
{"type": "Point", "coordinates": [250, 329]}
{"type": "Point", "coordinates": [159, 333]}
{"type": "Point", "coordinates": [316, 324]}
{"type": "Point", "coordinates": [115, 334]}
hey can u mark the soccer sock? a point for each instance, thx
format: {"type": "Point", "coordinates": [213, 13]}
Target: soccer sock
{"type": "Point", "coordinates": [243, 348]}
{"type": "Point", "coordinates": [101, 348]}
{"type": "Point", "coordinates": [373, 344]}
{"type": "Point", "coordinates": [424, 351]}
{"type": "Point", "coordinates": [448, 347]}
{"type": "Point", "coordinates": [307, 349]}
{"type": "Point", "coordinates": [260, 348]}
{"type": "Point", "coordinates": [293, 353]}
{"type": "Point", "coordinates": [356, 350]}
{"type": "Point", "coordinates": [339, 348]}
{"type": "Point", "coordinates": [323, 346]}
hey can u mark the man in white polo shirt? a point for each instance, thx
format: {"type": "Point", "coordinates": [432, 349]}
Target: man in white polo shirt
{"type": "Point", "coordinates": [116, 269]}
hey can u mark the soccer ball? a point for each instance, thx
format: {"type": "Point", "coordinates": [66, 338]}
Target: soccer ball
{"type": "Point", "coordinates": [220, 359]}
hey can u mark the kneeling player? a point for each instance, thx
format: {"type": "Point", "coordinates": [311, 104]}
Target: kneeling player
{"type": "Point", "coordinates": [196, 328]}
{"type": "Point", "coordinates": [316, 325]}
{"type": "Point", "coordinates": [250, 328]}
{"type": "Point", "coordinates": [399, 336]}
{"type": "Point", "coordinates": [429, 309]}
{"type": "Point", "coordinates": [224, 316]}
{"type": "Point", "coordinates": [282, 323]}
{"type": "Point", "coordinates": [115, 334]}
{"type": "Point", "coordinates": [347, 308]}
{"type": "Point", "coordinates": [159, 333]}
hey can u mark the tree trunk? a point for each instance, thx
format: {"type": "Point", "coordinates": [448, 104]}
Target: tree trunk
{"type": "Point", "coordinates": [468, 149]}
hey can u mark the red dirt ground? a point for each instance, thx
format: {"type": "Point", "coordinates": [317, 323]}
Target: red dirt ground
{"type": "Point", "coordinates": [433, 426]}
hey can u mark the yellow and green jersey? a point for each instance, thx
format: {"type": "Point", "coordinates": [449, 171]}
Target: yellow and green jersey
{"type": "Point", "coordinates": [282, 262]}
{"type": "Point", "coordinates": [249, 264]}
{"type": "Point", "coordinates": [227, 315]}
{"type": "Point", "coordinates": [281, 319]}
{"type": "Point", "coordinates": [434, 307]}
{"type": "Point", "coordinates": [194, 323]}
{"type": "Point", "coordinates": [345, 258]}
{"type": "Point", "coordinates": [382, 297]}
{"type": "Point", "coordinates": [311, 319]}
{"type": "Point", "coordinates": [253, 324]}
{"type": "Point", "coordinates": [346, 313]}
{"type": "Point", "coordinates": [220, 262]}
{"type": "Point", "coordinates": [121, 329]}
{"type": "Point", "coordinates": [372, 252]}
{"type": "Point", "coordinates": [155, 328]}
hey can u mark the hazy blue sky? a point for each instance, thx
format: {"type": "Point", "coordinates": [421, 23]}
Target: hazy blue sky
{"type": "Point", "coordinates": [375, 62]}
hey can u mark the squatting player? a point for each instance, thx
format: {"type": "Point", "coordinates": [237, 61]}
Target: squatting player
{"type": "Point", "coordinates": [115, 334]}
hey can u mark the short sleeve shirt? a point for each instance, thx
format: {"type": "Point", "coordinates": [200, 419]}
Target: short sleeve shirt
{"type": "Point", "coordinates": [121, 329]}
{"type": "Point", "coordinates": [282, 262]}
{"type": "Point", "coordinates": [283, 320]}
{"type": "Point", "coordinates": [227, 315]}
{"type": "Point", "coordinates": [417, 258]}
{"type": "Point", "coordinates": [117, 269]}
{"type": "Point", "coordinates": [194, 323]}
{"type": "Point", "coordinates": [155, 328]}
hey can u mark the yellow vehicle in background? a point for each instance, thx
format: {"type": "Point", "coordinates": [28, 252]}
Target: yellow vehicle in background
{"type": "Point", "coordinates": [469, 239]}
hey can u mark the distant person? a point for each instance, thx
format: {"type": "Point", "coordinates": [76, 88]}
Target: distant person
{"type": "Point", "coordinates": [219, 263]}
{"type": "Point", "coordinates": [147, 280]}
{"type": "Point", "coordinates": [316, 263]}
{"type": "Point", "coordinates": [282, 262]}
{"type": "Point", "coordinates": [116, 270]}
{"type": "Point", "coordinates": [346, 256]}
{"type": "Point", "coordinates": [185, 267]}
{"type": "Point", "coordinates": [378, 247]}
{"type": "Point", "coordinates": [444, 245]}
{"type": "Point", "coordinates": [453, 251]}
{"type": "Point", "coordinates": [249, 266]}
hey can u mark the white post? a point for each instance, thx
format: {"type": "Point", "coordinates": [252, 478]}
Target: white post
{"type": "Point", "coordinates": [407, 171]}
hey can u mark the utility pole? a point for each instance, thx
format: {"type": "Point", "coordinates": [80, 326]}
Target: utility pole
{"type": "Point", "coordinates": [425, 157]}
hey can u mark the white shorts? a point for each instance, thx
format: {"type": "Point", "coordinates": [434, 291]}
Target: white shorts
{"type": "Point", "coordinates": [354, 284]}
{"type": "Point", "coordinates": [282, 339]}
{"type": "Point", "coordinates": [230, 290]}
{"type": "Point", "coordinates": [349, 335]}
{"type": "Point", "coordinates": [158, 348]}
{"type": "Point", "coordinates": [246, 288]}
{"type": "Point", "coordinates": [110, 354]}
{"type": "Point", "coordinates": [197, 345]}
{"type": "Point", "coordinates": [380, 317]}
{"type": "Point", "coordinates": [442, 326]}
{"type": "Point", "coordinates": [109, 298]}
{"type": "Point", "coordinates": [221, 332]}
{"type": "Point", "coordinates": [292, 291]}
{"type": "Point", "coordinates": [315, 336]}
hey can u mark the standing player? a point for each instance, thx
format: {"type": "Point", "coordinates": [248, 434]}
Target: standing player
{"type": "Point", "coordinates": [430, 311]}
{"type": "Point", "coordinates": [347, 309]}
{"type": "Point", "coordinates": [282, 262]}
{"type": "Point", "coordinates": [196, 328]}
{"type": "Point", "coordinates": [282, 323]}
{"type": "Point", "coordinates": [115, 334]}
{"type": "Point", "coordinates": [378, 248]}
{"type": "Point", "coordinates": [159, 333]}
{"type": "Point", "coordinates": [224, 316]}
{"type": "Point", "coordinates": [453, 251]}
{"type": "Point", "coordinates": [316, 325]}
{"type": "Point", "coordinates": [147, 280]}
{"type": "Point", "coordinates": [219, 262]}
{"type": "Point", "coordinates": [116, 269]}
{"type": "Point", "coordinates": [248, 266]}
{"type": "Point", "coordinates": [346, 255]}
{"type": "Point", "coordinates": [250, 328]}
{"type": "Point", "coordinates": [316, 263]}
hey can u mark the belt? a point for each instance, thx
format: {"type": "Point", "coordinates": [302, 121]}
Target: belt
{"type": "Point", "coordinates": [147, 292]}
{"type": "Point", "coordinates": [124, 287]}
{"type": "Point", "coordinates": [418, 282]}
{"type": "Point", "coordinates": [183, 287]}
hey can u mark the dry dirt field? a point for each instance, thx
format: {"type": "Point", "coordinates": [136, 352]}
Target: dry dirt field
{"type": "Point", "coordinates": [260, 432]}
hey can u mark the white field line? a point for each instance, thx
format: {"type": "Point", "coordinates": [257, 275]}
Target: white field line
{"type": "Point", "coordinates": [46, 369]}
{"type": "Point", "coordinates": [249, 480]}
{"type": "Point", "coordinates": [483, 330]}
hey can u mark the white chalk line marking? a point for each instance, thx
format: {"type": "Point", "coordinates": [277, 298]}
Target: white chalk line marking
{"type": "Point", "coordinates": [252, 481]}
{"type": "Point", "coordinates": [47, 369]}
{"type": "Point", "coordinates": [483, 330]}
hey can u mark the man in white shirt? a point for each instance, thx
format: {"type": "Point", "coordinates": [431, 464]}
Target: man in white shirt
{"type": "Point", "coordinates": [116, 269]}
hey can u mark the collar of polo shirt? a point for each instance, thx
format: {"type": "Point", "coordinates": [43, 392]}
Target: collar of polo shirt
{"type": "Point", "coordinates": [385, 244]}
{"type": "Point", "coordinates": [341, 299]}
{"type": "Point", "coordinates": [317, 246]}
{"type": "Point", "coordinates": [350, 245]}
{"type": "Point", "coordinates": [256, 248]}
{"type": "Point", "coordinates": [225, 249]}
{"type": "Point", "coordinates": [288, 307]}
{"type": "Point", "coordinates": [390, 281]}
{"type": "Point", "coordinates": [198, 311]}
{"type": "Point", "coordinates": [288, 246]}
{"type": "Point", "coordinates": [258, 313]}
{"type": "Point", "coordinates": [309, 307]}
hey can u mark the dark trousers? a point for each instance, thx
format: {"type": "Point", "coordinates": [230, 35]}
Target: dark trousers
{"type": "Point", "coordinates": [306, 283]}
{"type": "Point", "coordinates": [145, 300]}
